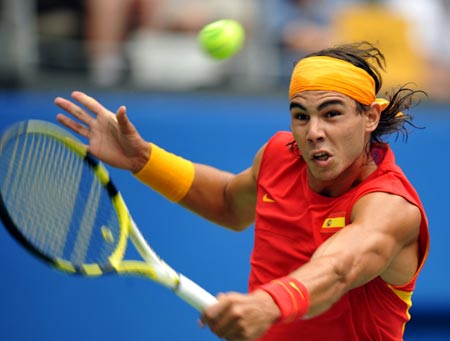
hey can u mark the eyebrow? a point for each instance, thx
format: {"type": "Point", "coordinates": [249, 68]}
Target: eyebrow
{"type": "Point", "coordinates": [320, 107]}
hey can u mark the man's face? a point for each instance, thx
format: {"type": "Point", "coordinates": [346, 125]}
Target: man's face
{"type": "Point", "coordinates": [331, 136]}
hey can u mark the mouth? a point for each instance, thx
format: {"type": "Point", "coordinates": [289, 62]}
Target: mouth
{"type": "Point", "coordinates": [321, 156]}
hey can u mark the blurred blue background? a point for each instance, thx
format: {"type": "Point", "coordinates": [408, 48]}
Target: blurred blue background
{"type": "Point", "coordinates": [223, 130]}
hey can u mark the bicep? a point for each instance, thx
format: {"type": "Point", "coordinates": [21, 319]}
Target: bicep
{"type": "Point", "coordinates": [382, 236]}
{"type": "Point", "coordinates": [382, 227]}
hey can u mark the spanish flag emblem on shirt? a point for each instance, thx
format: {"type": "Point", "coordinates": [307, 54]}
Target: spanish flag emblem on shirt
{"type": "Point", "coordinates": [334, 221]}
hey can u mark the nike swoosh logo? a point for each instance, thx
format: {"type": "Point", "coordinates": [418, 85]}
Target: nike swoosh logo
{"type": "Point", "coordinates": [266, 198]}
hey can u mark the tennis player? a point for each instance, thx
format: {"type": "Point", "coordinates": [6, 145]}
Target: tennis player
{"type": "Point", "coordinates": [340, 233]}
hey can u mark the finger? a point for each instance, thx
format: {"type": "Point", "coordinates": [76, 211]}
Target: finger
{"type": "Point", "coordinates": [230, 331]}
{"type": "Point", "coordinates": [71, 124]}
{"type": "Point", "coordinates": [74, 110]}
{"type": "Point", "coordinates": [211, 312]}
{"type": "Point", "coordinates": [201, 324]}
{"type": "Point", "coordinates": [217, 318]}
{"type": "Point", "coordinates": [229, 326]}
{"type": "Point", "coordinates": [126, 127]}
{"type": "Point", "coordinates": [121, 116]}
{"type": "Point", "coordinates": [89, 102]}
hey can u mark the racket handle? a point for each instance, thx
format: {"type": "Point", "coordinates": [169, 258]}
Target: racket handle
{"type": "Point", "coordinates": [193, 294]}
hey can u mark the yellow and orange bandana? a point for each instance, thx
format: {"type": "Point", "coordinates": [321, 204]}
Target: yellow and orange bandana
{"type": "Point", "coordinates": [332, 74]}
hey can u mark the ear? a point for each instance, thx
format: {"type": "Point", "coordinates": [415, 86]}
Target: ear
{"type": "Point", "coordinates": [373, 117]}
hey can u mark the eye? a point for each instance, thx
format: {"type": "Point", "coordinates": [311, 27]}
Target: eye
{"type": "Point", "coordinates": [300, 116]}
{"type": "Point", "coordinates": [332, 113]}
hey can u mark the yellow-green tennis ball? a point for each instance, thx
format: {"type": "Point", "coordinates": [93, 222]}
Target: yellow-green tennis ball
{"type": "Point", "coordinates": [222, 39]}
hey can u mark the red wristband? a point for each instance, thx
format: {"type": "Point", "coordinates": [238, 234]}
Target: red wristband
{"type": "Point", "coordinates": [290, 295]}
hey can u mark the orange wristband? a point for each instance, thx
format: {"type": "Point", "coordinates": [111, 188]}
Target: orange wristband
{"type": "Point", "coordinates": [290, 295]}
{"type": "Point", "coordinates": [168, 174]}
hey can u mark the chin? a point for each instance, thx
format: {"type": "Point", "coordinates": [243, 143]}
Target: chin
{"type": "Point", "coordinates": [323, 176]}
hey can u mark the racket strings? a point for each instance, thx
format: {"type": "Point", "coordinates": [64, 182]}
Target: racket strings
{"type": "Point", "coordinates": [67, 208]}
{"type": "Point", "coordinates": [36, 187]}
{"type": "Point", "coordinates": [84, 234]}
{"type": "Point", "coordinates": [39, 185]}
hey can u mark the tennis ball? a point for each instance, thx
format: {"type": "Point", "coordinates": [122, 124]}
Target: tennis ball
{"type": "Point", "coordinates": [221, 39]}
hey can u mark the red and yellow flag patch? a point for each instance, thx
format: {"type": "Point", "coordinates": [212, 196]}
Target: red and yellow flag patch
{"type": "Point", "coordinates": [334, 221]}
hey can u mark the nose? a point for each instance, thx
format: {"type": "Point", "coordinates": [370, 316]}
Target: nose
{"type": "Point", "coordinates": [315, 132]}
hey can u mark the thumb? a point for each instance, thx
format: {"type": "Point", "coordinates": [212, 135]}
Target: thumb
{"type": "Point", "coordinates": [125, 125]}
{"type": "Point", "coordinates": [121, 115]}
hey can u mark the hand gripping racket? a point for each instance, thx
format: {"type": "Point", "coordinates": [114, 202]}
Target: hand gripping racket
{"type": "Point", "coordinates": [60, 204]}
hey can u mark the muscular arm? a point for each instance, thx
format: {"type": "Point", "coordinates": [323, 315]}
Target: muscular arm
{"type": "Point", "coordinates": [381, 238]}
{"type": "Point", "coordinates": [226, 199]}
{"type": "Point", "coordinates": [380, 241]}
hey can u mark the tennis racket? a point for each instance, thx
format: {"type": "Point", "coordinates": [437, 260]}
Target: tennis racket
{"type": "Point", "coordinates": [59, 203]}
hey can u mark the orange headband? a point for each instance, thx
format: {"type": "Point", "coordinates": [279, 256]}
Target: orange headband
{"type": "Point", "coordinates": [332, 74]}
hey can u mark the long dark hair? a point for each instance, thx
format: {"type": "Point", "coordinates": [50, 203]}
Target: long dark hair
{"type": "Point", "coordinates": [369, 58]}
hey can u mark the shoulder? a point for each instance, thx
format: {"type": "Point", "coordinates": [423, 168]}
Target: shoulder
{"type": "Point", "coordinates": [389, 208]}
{"type": "Point", "coordinates": [388, 177]}
{"type": "Point", "coordinates": [282, 137]}
{"type": "Point", "coordinates": [277, 151]}
{"type": "Point", "coordinates": [282, 140]}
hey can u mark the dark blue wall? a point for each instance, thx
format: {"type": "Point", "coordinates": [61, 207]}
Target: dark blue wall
{"type": "Point", "coordinates": [38, 303]}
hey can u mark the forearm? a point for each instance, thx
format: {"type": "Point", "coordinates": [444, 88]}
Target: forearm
{"type": "Point", "coordinates": [331, 273]}
{"type": "Point", "coordinates": [306, 292]}
{"type": "Point", "coordinates": [219, 197]}
{"type": "Point", "coordinates": [326, 282]}
{"type": "Point", "coordinates": [205, 190]}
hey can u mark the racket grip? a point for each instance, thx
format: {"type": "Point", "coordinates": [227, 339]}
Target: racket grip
{"type": "Point", "coordinates": [193, 294]}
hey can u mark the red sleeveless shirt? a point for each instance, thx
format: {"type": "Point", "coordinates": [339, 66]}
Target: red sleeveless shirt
{"type": "Point", "coordinates": [292, 221]}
